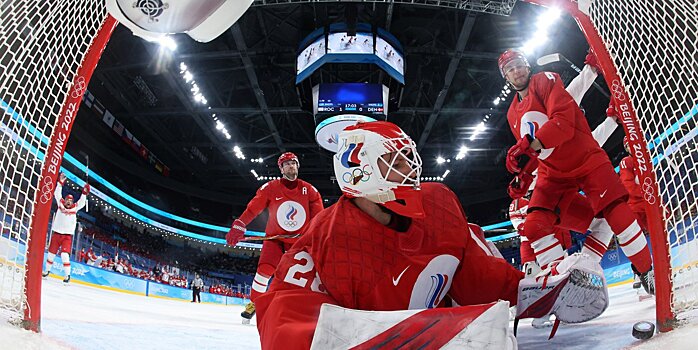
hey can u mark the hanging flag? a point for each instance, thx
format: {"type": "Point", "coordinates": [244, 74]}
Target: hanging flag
{"type": "Point", "coordinates": [118, 128]}
{"type": "Point", "coordinates": [108, 119]}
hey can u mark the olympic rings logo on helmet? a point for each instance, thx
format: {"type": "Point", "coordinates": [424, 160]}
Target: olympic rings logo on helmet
{"type": "Point", "coordinates": [357, 175]}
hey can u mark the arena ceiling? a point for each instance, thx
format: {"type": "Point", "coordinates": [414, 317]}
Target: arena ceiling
{"type": "Point", "coordinates": [248, 78]}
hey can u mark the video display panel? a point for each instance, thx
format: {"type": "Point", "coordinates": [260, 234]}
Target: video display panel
{"type": "Point", "coordinates": [350, 97]}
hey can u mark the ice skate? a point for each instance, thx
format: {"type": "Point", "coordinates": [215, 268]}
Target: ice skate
{"type": "Point", "coordinates": [248, 313]}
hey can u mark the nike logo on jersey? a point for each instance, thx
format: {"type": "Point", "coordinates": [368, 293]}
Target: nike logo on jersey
{"type": "Point", "coordinates": [603, 194]}
{"type": "Point", "coordinates": [279, 198]}
{"type": "Point", "coordinates": [397, 280]}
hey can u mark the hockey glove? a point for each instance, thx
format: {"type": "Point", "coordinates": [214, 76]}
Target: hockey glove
{"type": "Point", "coordinates": [86, 189]}
{"type": "Point", "coordinates": [591, 61]}
{"type": "Point", "coordinates": [237, 231]}
{"type": "Point", "coordinates": [520, 154]}
{"type": "Point", "coordinates": [519, 185]}
{"type": "Point", "coordinates": [61, 179]}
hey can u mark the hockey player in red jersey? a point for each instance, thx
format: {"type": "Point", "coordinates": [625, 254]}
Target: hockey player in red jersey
{"type": "Point", "coordinates": [629, 177]}
{"type": "Point", "coordinates": [575, 212]}
{"type": "Point", "coordinates": [555, 137]}
{"type": "Point", "coordinates": [292, 203]}
{"type": "Point", "coordinates": [391, 243]}
{"type": "Point", "coordinates": [63, 226]}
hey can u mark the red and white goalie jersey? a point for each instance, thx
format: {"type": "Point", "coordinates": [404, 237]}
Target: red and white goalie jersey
{"type": "Point", "coordinates": [347, 258]}
{"type": "Point", "coordinates": [569, 147]}
{"type": "Point", "coordinates": [290, 209]}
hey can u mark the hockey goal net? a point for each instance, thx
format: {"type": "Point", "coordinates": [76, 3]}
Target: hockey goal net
{"type": "Point", "coordinates": [648, 53]}
{"type": "Point", "coordinates": [48, 50]}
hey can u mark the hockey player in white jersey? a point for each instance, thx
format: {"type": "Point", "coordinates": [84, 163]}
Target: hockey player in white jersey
{"type": "Point", "coordinates": [63, 226]}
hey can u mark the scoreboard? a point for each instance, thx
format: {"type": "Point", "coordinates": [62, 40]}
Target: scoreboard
{"type": "Point", "coordinates": [351, 97]}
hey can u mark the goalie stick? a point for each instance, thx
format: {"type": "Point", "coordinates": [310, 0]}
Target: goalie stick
{"type": "Point", "coordinates": [257, 238]}
{"type": "Point", "coordinates": [558, 57]}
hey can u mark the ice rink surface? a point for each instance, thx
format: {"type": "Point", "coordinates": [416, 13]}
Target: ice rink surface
{"type": "Point", "coordinates": [82, 317]}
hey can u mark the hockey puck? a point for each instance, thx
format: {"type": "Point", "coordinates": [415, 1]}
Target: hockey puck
{"type": "Point", "coordinates": [643, 330]}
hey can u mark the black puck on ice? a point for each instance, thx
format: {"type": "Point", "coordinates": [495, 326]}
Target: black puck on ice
{"type": "Point", "coordinates": [643, 330]}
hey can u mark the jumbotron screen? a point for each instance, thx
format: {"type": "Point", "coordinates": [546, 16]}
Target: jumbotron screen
{"type": "Point", "coordinates": [350, 97]}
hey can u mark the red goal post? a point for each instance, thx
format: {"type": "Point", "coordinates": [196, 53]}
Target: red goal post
{"type": "Point", "coordinates": [48, 52]}
{"type": "Point", "coordinates": [50, 170]}
{"type": "Point", "coordinates": [645, 49]}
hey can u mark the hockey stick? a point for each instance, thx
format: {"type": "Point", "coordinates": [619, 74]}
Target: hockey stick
{"type": "Point", "coordinates": [558, 57]}
{"type": "Point", "coordinates": [87, 180]}
{"type": "Point", "coordinates": [267, 238]}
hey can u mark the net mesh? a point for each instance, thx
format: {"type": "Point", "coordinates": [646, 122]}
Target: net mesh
{"type": "Point", "coordinates": [654, 47]}
{"type": "Point", "coordinates": [42, 44]}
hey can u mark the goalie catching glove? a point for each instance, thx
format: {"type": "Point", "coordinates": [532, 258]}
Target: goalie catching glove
{"type": "Point", "coordinates": [574, 290]}
{"type": "Point", "coordinates": [236, 233]}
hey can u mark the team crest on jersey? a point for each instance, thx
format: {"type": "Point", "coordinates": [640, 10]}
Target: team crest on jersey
{"type": "Point", "coordinates": [291, 216]}
{"type": "Point", "coordinates": [433, 282]}
{"type": "Point", "coordinates": [531, 122]}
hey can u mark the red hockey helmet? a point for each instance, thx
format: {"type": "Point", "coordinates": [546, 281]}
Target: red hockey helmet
{"type": "Point", "coordinates": [70, 196]}
{"type": "Point", "coordinates": [511, 55]}
{"type": "Point", "coordinates": [358, 163]}
{"type": "Point", "coordinates": [286, 157]}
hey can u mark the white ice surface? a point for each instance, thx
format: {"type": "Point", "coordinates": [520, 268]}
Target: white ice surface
{"type": "Point", "coordinates": [81, 317]}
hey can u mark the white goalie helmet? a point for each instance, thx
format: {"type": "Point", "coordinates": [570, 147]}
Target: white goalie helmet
{"type": "Point", "coordinates": [369, 154]}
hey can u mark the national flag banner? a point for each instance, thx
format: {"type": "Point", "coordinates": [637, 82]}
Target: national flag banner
{"type": "Point", "coordinates": [144, 152]}
{"type": "Point", "coordinates": [88, 98]}
{"type": "Point", "coordinates": [166, 171]}
{"type": "Point", "coordinates": [152, 159]}
{"type": "Point", "coordinates": [127, 136]}
{"type": "Point", "coordinates": [98, 107]}
{"type": "Point", "coordinates": [136, 145]}
{"type": "Point", "coordinates": [159, 166]}
{"type": "Point", "coordinates": [108, 119]}
{"type": "Point", "coordinates": [118, 128]}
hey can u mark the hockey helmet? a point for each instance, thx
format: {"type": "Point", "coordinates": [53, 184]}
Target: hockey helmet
{"type": "Point", "coordinates": [511, 55]}
{"type": "Point", "coordinates": [358, 162]}
{"type": "Point", "coordinates": [286, 157]}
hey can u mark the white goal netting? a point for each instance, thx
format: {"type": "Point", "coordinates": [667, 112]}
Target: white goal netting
{"type": "Point", "coordinates": [42, 44]}
{"type": "Point", "coordinates": [653, 45]}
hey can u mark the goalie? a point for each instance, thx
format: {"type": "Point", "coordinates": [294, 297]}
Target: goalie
{"type": "Point", "coordinates": [391, 243]}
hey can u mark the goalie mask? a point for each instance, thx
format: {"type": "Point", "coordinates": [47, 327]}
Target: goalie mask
{"type": "Point", "coordinates": [378, 161]}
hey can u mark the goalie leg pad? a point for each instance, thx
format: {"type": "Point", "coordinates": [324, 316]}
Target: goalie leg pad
{"type": "Point", "coordinates": [477, 326]}
{"type": "Point", "coordinates": [574, 291]}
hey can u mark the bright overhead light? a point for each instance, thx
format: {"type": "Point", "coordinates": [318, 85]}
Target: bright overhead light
{"type": "Point", "coordinates": [480, 128]}
{"type": "Point", "coordinates": [254, 173]}
{"type": "Point", "coordinates": [496, 101]}
{"type": "Point", "coordinates": [440, 160]}
{"type": "Point", "coordinates": [445, 173]}
{"type": "Point", "coordinates": [168, 43]}
{"type": "Point", "coordinates": [462, 152]}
